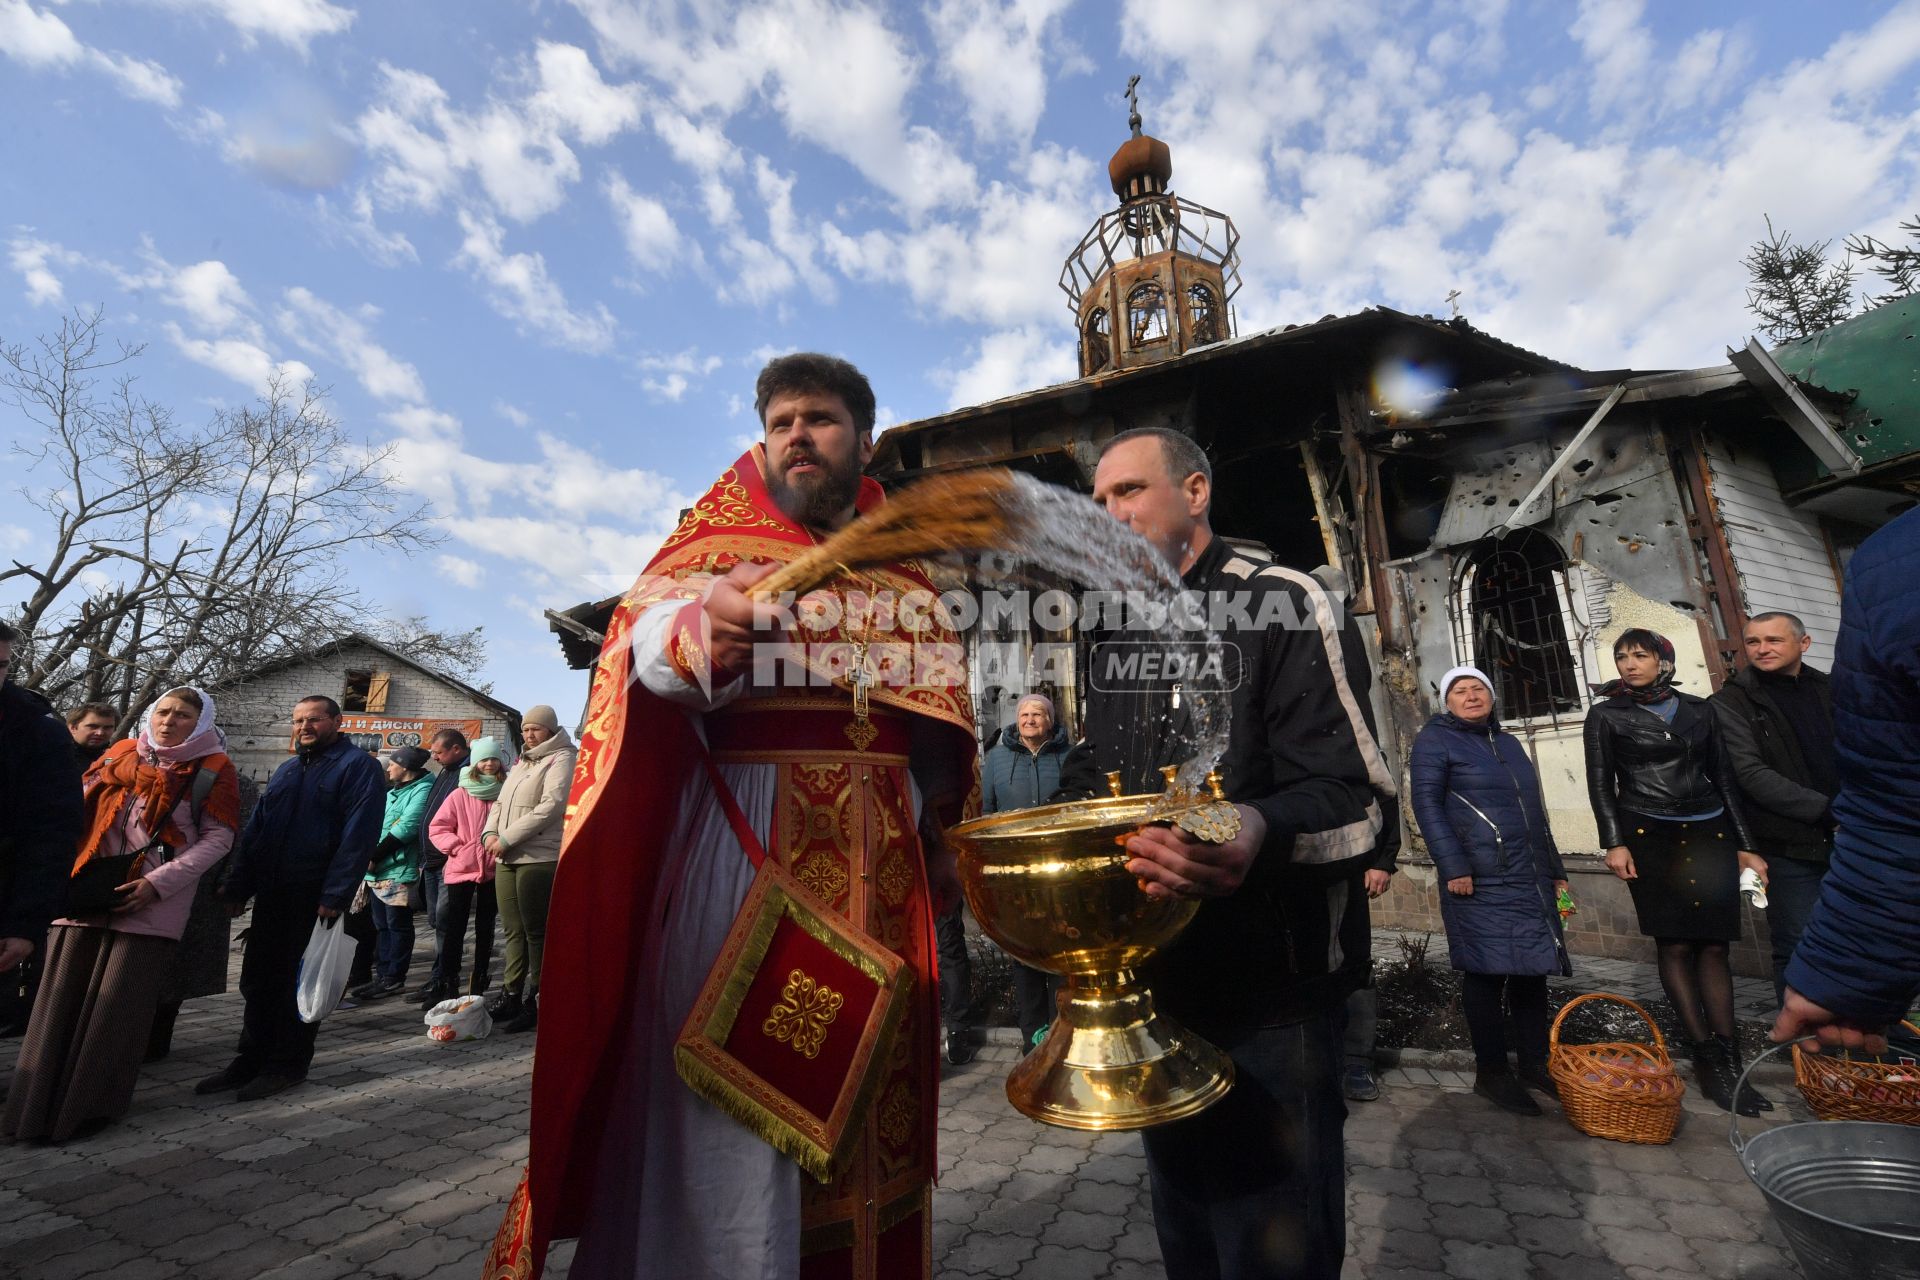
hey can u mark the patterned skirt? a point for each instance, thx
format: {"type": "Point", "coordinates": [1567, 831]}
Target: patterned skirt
{"type": "Point", "coordinates": [81, 1057]}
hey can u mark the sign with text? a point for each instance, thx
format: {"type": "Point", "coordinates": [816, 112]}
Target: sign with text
{"type": "Point", "coordinates": [386, 733]}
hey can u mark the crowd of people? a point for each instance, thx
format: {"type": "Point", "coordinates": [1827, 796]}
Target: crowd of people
{"type": "Point", "coordinates": [697, 792]}
{"type": "Point", "coordinates": [126, 862]}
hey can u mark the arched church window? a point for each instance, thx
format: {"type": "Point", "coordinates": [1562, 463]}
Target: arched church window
{"type": "Point", "coordinates": [1146, 314]}
{"type": "Point", "coordinates": [1096, 342]}
{"type": "Point", "coordinates": [1514, 618]}
{"type": "Point", "coordinates": [1203, 314]}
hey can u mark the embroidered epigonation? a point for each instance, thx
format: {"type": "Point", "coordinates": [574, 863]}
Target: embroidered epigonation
{"type": "Point", "coordinates": [805, 1011]}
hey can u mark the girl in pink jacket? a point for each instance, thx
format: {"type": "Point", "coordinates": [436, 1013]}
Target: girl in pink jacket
{"type": "Point", "coordinates": [455, 831]}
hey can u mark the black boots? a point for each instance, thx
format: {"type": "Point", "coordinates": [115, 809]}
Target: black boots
{"type": "Point", "coordinates": [1536, 1076]}
{"type": "Point", "coordinates": [1716, 1072]}
{"type": "Point", "coordinates": [1503, 1089]}
{"type": "Point", "coordinates": [506, 1007]}
{"type": "Point", "coordinates": [1750, 1102]}
{"type": "Point", "coordinates": [528, 1017]}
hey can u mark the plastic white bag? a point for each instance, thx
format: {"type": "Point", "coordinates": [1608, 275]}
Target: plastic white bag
{"type": "Point", "coordinates": [465, 1018]}
{"type": "Point", "coordinates": [323, 969]}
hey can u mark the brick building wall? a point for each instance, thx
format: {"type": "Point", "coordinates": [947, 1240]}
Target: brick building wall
{"type": "Point", "coordinates": [258, 713]}
{"type": "Point", "coordinates": [1604, 924]}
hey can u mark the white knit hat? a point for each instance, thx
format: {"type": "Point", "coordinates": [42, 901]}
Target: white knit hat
{"type": "Point", "coordinates": [1446, 681]}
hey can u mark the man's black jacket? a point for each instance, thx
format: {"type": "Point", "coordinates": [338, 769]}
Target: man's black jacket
{"type": "Point", "coordinates": [1302, 751]}
{"type": "Point", "coordinates": [1787, 810]}
{"type": "Point", "coordinates": [40, 813]}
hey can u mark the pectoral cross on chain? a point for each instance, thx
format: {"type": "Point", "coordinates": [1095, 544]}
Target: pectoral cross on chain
{"type": "Point", "coordinates": [861, 676]}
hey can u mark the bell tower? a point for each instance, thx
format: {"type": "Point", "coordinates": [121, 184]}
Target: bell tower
{"type": "Point", "coordinates": [1155, 277]}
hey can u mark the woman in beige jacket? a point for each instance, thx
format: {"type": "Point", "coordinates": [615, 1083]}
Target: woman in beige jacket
{"type": "Point", "coordinates": [523, 835]}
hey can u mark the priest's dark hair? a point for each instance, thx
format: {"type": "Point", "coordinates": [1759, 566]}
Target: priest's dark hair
{"type": "Point", "coordinates": [810, 371]}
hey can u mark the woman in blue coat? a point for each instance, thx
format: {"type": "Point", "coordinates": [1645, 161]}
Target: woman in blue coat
{"type": "Point", "coordinates": [1477, 797]}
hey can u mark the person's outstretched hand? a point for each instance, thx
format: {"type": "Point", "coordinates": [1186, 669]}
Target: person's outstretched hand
{"type": "Point", "coordinates": [1817, 1028]}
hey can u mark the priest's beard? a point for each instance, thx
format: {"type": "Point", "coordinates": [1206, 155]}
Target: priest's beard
{"type": "Point", "coordinates": [816, 499]}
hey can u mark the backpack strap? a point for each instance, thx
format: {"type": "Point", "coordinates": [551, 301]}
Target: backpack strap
{"type": "Point", "coordinates": [203, 780]}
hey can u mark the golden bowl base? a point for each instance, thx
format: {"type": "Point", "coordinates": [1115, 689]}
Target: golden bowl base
{"type": "Point", "coordinates": [1110, 1062]}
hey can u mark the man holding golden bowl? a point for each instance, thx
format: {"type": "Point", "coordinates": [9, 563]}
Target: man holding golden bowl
{"type": "Point", "coordinates": [1252, 1187]}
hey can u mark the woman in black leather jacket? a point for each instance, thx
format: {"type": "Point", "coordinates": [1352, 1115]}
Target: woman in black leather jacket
{"type": "Point", "coordinates": [1670, 817]}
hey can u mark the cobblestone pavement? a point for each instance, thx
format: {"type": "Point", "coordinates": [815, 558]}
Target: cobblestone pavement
{"type": "Point", "coordinates": [395, 1158]}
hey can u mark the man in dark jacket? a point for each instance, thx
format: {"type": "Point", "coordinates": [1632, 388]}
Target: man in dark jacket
{"type": "Point", "coordinates": [1254, 1186]}
{"type": "Point", "coordinates": [1857, 967]}
{"type": "Point", "coordinates": [1776, 717]}
{"type": "Point", "coordinates": [1023, 770]}
{"type": "Point", "coordinates": [91, 725]}
{"type": "Point", "coordinates": [450, 751]}
{"type": "Point", "coordinates": [40, 801]}
{"type": "Point", "coordinates": [302, 856]}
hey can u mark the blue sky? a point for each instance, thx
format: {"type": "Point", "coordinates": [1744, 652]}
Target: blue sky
{"type": "Point", "coordinates": [542, 248]}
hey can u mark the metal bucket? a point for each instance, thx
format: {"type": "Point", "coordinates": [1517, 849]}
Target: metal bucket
{"type": "Point", "coordinates": [1845, 1193]}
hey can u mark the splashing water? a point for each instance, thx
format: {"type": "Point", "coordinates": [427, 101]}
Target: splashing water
{"type": "Point", "coordinates": [1066, 534]}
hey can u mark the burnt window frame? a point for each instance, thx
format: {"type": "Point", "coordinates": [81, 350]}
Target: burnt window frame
{"type": "Point", "coordinates": [1531, 641]}
{"type": "Point", "coordinates": [1215, 329]}
{"type": "Point", "coordinates": [1096, 341]}
{"type": "Point", "coordinates": [1140, 290]}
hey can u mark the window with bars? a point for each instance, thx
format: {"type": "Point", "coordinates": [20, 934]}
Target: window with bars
{"type": "Point", "coordinates": [1097, 342]}
{"type": "Point", "coordinates": [1146, 314]}
{"type": "Point", "coordinates": [1203, 314]}
{"type": "Point", "coordinates": [1513, 617]}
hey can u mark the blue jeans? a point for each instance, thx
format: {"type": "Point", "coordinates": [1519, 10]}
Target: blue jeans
{"type": "Point", "coordinates": [1228, 1205]}
{"type": "Point", "coordinates": [433, 886]}
{"type": "Point", "coordinates": [393, 931]}
{"type": "Point", "coordinates": [1793, 886]}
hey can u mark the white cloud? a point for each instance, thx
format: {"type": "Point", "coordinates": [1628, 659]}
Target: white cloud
{"type": "Point", "coordinates": [468, 573]}
{"type": "Point", "coordinates": [354, 225]}
{"type": "Point", "coordinates": [566, 506]}
{"type": "Point", "coordinates": [994, 53]}
{"type": "Point", "coordinates": [320, 327]}
{"type": "Point", "coordinates": [671, 376]}
{"type": "Point", "coordinates": [513, 413]}
{"type": "Point", "coordinates": [837, 74]}
{"type": "Point", "coordinates": [34, 260]}
{"type": "Point", "coordinates": [292, 22]}
{"type": "Point", "coordinates": [652, 240]}
{"type": "Point", "coordinates": [42, 41]}
{"type": "Point", "coordinates": [1001, 270]}
{"type": "Point", "coordinates": [244, 361]}
{"type": "Point", "coordinates": [519, 288]}
{"type": "Point", "coordinates": [208, 291]}
{"type": "Point", "coordinates": [515, 147]}
{"type": "Point", "coordinates": [577, 100]}
{"type": "Point", "coordinates": [1012, 360]}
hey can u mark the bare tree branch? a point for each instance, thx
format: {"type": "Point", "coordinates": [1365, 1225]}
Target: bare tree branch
{"type": "Point", "coordinates": [188, 554]}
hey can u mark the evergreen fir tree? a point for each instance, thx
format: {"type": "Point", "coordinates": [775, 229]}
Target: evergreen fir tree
{"type": "Point", "coordinates": [1795, 292]}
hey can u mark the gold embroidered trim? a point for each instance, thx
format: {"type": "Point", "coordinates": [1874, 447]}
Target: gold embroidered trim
{"type": "Point", "coordinates": [806, 1009]}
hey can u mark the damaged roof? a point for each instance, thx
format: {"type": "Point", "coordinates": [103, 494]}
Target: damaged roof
{"type": "Point", "coordinates": [1873, 360]}
{"type": "Point", "coordinates": [1478, 352]}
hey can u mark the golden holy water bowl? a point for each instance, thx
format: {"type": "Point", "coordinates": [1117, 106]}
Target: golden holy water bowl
{"type": "Point", "coordinates": [1051, 886]}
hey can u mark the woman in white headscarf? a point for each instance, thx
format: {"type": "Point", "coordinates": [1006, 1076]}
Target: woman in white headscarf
{"type": "Point", "coordinates": [168, 801]}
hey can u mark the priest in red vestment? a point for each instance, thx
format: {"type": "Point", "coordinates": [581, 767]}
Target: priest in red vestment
{"type": "Point", "coordinates": [838, 738]}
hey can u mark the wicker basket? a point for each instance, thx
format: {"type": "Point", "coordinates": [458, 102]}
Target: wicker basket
{"type": "Point", "coordinates": [1622, 1090]}
{"type": "Point", "coordinates": [1839, 1088]}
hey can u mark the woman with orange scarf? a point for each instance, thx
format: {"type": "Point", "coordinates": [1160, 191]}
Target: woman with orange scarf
{"type": "Point", "coordinates": [103, 976]}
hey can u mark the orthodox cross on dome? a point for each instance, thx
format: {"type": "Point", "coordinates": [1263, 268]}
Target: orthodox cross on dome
{"type": "Point", "coordinates": [1133, 104]}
